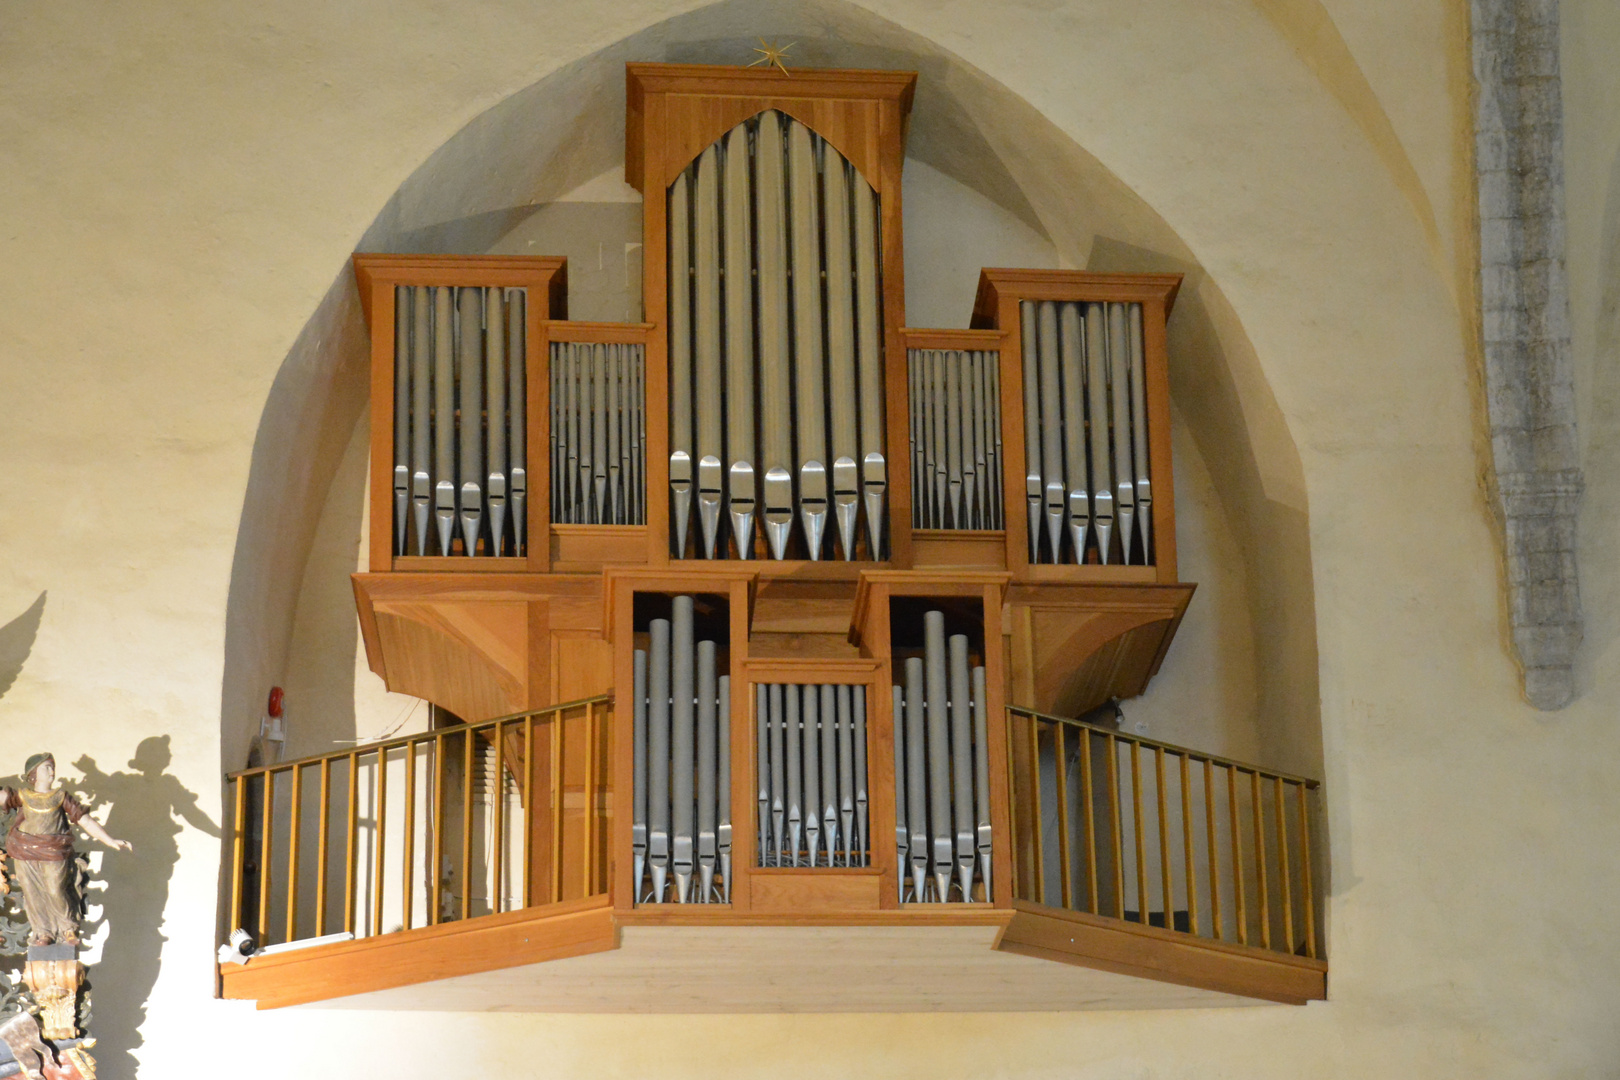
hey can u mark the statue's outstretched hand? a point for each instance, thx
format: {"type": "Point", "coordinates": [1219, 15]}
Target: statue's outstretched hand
{"type": "Point", "coordinates": [122, 845]}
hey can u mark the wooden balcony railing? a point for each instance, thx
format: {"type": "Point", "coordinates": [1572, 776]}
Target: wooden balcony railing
{"type": "Point", "coordinates": [458, 823]}
{"type": "Point", "coordinates": [1140, 831]}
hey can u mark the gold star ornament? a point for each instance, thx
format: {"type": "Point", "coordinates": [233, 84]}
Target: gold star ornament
{"type": "Point", "coordinates": [769, 53]}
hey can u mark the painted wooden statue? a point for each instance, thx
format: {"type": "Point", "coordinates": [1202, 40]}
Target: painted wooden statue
{"type": "Point", "coordinates": [40, 844]}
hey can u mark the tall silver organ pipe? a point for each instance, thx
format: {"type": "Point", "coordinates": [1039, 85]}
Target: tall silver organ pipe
{"type": "Point", "coordinates": [775, 324]}
{"type": "Point", "coordinates": [597, 413]}
{"type": "Point", "coordinates": [459, 438]}
{"type": "Point", "coordinates": [955, 398]}
{"type": "Point", "coordinates": [942, 772]}
{"type": "Point", "coordinates": [812, 775]}
{"type": "Point", "coordinates": [680, 826]}
{"type": "Point", "coordinates": [1086, 437]}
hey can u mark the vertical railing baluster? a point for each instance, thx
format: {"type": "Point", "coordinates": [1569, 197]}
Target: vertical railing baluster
{"type": "Point", "coordinates": [590, 799]}
{"type": "Point", "coordinates": [407, 860]}
{"type": "Point", "coordinates": [1187, 846]}
{"type": "Point", "coordinates": [556, 807]}
{"type": "Point", "coordinates": [294, 826]}
{"type": "Point", "coordinates": [1308, 873]}
{"type": "Point", "coordinates": [1089, 813]}
{"type": "Point", "coordinates": [468, 739]}
{"type": "Point", "coordinates": [1136, 828]}
{"type": "Point", "coordinates": [1164, 838]}
{"type": "Point", "coordinates": [350, 845]}
{"type": "Point", "coordinates": [1035, 802]}
{"type": "Point", "coordinates": [1214, 853]}
{"type": "Point", "coordinates": [266, 801]}
{"type": "Point", "coordinates": [1060, 749]}
{"type": "Point", "coordinates": [1282, 856]}
{"type": "Point", "coordinates": [1237, 854]}
{"type": "Point", "coordinates": [1260, 859]}
{"type": "Point", "coordinates": [380, 830]}
{"type": "Point", "coordinates": [435, 854]}
{"type": "Point", "coordinates": [238, 849]}
{"type": "Point", "coordinates": [1118, 826]}
{"type": "Point", "coordinates": [321, 847]}
{"type": "Point", "coordinates": [528, 811]}
{"type": "Point", "coordinates": [498, 828]}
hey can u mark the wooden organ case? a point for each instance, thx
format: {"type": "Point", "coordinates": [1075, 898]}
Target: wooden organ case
{"type": "Point", "coordinates": [831, 582]}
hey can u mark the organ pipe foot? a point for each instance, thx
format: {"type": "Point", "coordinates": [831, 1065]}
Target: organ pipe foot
{"type": "Point", "coordinates": [1077, 533]}
{"type": "Point", "coordinates": [683, 886]}
{"type": "Point", "coordinates": [1035, 529]}
{"type": "Point", "coordinates": [402, 503]}
{"type": "Point", "coordinates": [793, 840]}
{"type": "Point", "coordinates": [680, 493]}
{"type": "Point", "coordinates": [638, 868]}
{"type": "Point", "coordinates": [1054, 518]}
{"type": "Point", "coordinates": [1126, 516]}
{"type": "Point", "coordinates": [1145, 526]}
{"type": "Point", "coordinates": [984, 875]}
{"type": "Point", "coordinates": [471, 524]}
{"type": "Point", "coordinates": [659, 880]}
{"type": "Point", "coordinates": [919, 884]}
{"type": "Point", "coordinates": [444, 513]}
{"type": "Point", "coordinates": [424, 513]}
{"type": "Point", "coordinates": [705, 883]}
{"type": "Point", "coordinates": [778, 512]}
{"type": "Point", "coordinates": [519, 501]}
{"type": "Point", "coordinates": [725, 878]}
{"type": "Point", "coordinates": [875, 486]}
{"type": "Point", "coordinates": [497, 525]}
{"type": "Point", "coordinates": [709, 502]}
{"type": "Point", "coordinates": [846, 504]}
{"type": "Point", "coordinates": [942, 884]}
{"type": "Point", "coordinates": [964, 871]}
{"type": "Point", "coordinates": [742, 508]}
{"type": "Point", "coordinates": [813, 505]}
{"type": "Point", "coordinates": [1105, 529]}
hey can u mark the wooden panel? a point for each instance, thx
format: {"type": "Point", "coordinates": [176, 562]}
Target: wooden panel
{"type": "Point", "coordinates": [470, 657]}
{"type": "Point", "coordinates": [979, 549]}
{"type": "Point", "coordinates": [586, 549]}
{"type": "Point", "coordinates": [820, 890]}
{"type": "Point", "coordinates": [422, 955]}
{"type": "Point", "coordinates": [1150, 952]}
{"type": "Point", "coordinates": [581, 665]}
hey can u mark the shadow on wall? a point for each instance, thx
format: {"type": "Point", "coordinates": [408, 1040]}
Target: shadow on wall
{"type": "Point", "coordinates": [17, 641]}
{"type": "Point", "coordinates": [148, 808]}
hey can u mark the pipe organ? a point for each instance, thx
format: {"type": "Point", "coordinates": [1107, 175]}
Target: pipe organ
{"type": "Point", "coordinates": [798, 558]}
{"type": "Point", "coordinates": [954, 397]}
{"type": "Point", "coordinates": [775, 348]}
{"type": "Point", "coordinates": [1085, 432]}
{"type": "Point", "coordinates": [598, 427]}
{"type": "Point", "coordinates": [460, 435]}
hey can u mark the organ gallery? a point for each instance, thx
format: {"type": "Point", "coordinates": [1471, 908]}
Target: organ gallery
{"type": "Point", "coordinates": [770, 626]}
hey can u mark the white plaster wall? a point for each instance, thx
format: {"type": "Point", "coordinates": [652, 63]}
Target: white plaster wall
{"type": "Point", "coordinates": [182, 186]}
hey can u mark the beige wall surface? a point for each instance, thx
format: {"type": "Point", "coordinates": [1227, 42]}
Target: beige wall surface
{"type": "Point", "coordinates": [183, 183]}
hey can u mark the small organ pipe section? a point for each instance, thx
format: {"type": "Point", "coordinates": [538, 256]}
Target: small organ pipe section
{"type": "Point", "coordinates": [680, 806]}
{"type": "Point", "coordinates": [1085, 433]}
{"type": "Point", "coordinates": [955, 401]}
{"type": "Point", "coordinates": [598, 429]}
{"type": "Point", "coordinates": [775, 349]}
{"type": "Point", "coordinates": [942, 772]}
{"type": "Point", "coordinates": [460, 476]}
{"type": "Point", "coordinates": [811, 762]}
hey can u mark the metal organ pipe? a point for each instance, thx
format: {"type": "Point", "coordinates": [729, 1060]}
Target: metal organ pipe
{"type": "Point", "coordinates": [773, 266]}
{"type": "Point", "coordinates": [1091, 412]}
{"type": "Point", "coordinates": [458, 419]}
{"type": "Point", "coordinates": [517, 352]}
{"type": "Point", "coordinates": [942, 771]}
